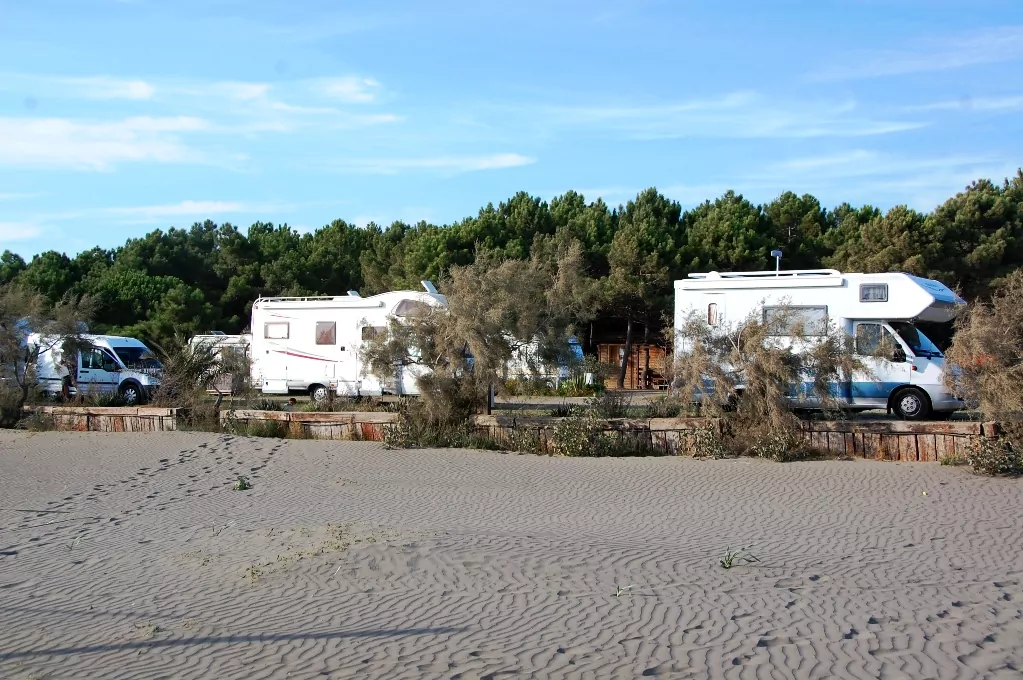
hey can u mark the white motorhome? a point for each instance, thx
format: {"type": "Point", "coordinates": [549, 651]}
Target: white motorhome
{"type": "Point", "coordinates": [313, 344]}
{"type": "Point", "coordinates": [877, 310]}
{"type": "Point", "coordinates": [109, 364]}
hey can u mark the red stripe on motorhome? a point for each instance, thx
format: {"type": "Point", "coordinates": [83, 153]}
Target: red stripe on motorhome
{"type": "Point", "coordinates": [301, 356]}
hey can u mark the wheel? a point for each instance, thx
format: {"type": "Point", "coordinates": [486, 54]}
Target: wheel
{"type": "Point", "coordinates": [319, 393]}
{"type": "Point", "coordinates": [131, 394]}
{"type": "Point", "coordinates": [911, 404]}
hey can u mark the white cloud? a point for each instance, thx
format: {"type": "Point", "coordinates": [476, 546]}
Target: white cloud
{"type": "Point", "coordinates": [184, 208]}
{"type": "Point", "coordinates": [19, 231]}
{"type": "Point", "coordinates": [105, 87]}
{"type": "Point", "coordinates": [451, 164]}
{"type": "Point", "coordinates": [988, 46]}
{"type": "Point", "coordinates": [983, 104]}
{"type": "Point", "coordinates": [60, 142]}
{"type": "Point", "coordinates": [351, 89]}
{"type": "Point", "coordinates": [739, 115]}
{"type": "Point", "coordinates": [871, 176]}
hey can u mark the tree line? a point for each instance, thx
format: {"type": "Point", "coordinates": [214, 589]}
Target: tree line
{"type": "Point", "coordinates": [175, 283]}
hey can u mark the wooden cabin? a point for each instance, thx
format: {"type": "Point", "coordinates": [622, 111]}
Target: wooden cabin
{"type": "Point", "coordinates": [611, 354]}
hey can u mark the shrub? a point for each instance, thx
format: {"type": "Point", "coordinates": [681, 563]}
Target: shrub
{"type": "Point", "coordinates": [995, 456]}
{"type": "Point", "coordinates": [611, 404]}
{"type": "Point", "coordinates": [670, 406]}
{"type": "Point", "coordinates": [783, 447]}
{"type": "Point", "coordinates": [987, 354]}
{"type": "Point", "coordinates": [704, 443]}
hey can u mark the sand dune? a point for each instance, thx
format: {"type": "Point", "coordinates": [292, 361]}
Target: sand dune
{"type": "Point", "coordinates": [347, 560]}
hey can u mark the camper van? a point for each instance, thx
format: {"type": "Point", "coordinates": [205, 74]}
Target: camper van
{"type": "Point", "coordinates": [877, 310]}
{"type": "Point", "coordinates": [109, 364]}
{"type": "Point", "coordinates": [313, 344]}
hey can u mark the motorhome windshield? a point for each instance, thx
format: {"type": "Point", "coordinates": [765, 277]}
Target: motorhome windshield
{"type": "Point", "coordinates": [137, 357]}
{"type": "Point", "coordinates": [917, 341]}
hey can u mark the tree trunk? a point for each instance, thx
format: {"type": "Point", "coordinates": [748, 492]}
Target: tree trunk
{"type": "Point", "coordinates": [646, 356]}
{"type": "Point", "coordinates": [623, 369]}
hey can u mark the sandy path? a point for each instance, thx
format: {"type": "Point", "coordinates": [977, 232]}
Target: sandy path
{"type": "Point", "coordinates": [346, 560]}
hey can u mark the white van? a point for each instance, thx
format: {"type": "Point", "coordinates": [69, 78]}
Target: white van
{"type": "Point", "coordinates": [872, 308]}
{"type": "Point", "coordinates": [313, 344]}
{"type": "Point", "coordinates": [525, 361]}
{"type": "Point", "coordinates": [109, 365]}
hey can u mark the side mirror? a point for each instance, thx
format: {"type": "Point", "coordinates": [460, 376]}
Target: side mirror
{"type": "Point", "coordinates": [899, 355]}
{"type": "Point", "coordinates": [109, 366]}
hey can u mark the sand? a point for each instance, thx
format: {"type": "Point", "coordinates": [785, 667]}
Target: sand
{"type": "Point", "coordinates": [348, 560]}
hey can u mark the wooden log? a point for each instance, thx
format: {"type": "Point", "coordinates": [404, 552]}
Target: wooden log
{"type": "Point", "coordinates": [907, 448]}
{"type": "Point", "coordinates": [927, 447]}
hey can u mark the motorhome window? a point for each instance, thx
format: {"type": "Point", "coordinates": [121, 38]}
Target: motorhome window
{"type": "Point", "coordinates": [917, 341]}
{"type": "Point", "coordinates": [874, 340]}
{"type": "Point", "coordinates": [277, 331]}
{"type": "Point", "coordinates": [411, 308]}
{"type": "Point", "coordinates": [372, 332]}
{"type": "Point", "coordinates": [326, 333]}
{"type": "Point", "coordinates": [874, 292]}
{"type": "Point", "coordinates": [788, 320]}
{"type": "Point", "coordinates": [712, 314]}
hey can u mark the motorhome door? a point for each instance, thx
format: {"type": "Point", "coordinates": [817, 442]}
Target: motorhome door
{"type": "Point", "coordinates": [885, 365]}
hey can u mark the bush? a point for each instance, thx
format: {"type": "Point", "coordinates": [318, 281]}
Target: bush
{"type": "Point", "coordinates": [995, 456]}
{"type": "Point", "coordinates": [610, 405]}
{"type": "Point", "coordinates": [782, 447]}
{"type": "Point", "coordinates": [670, 406]}
{"type": "Point", "coordinates": [704, 443]}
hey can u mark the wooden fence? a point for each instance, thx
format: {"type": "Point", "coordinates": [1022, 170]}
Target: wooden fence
{"type": "Point", "coordinates": [880, 439]}
{"type": "Point", "coordinates": [108, 419]}
{"type": "Point", "coordinates": [347, 425]}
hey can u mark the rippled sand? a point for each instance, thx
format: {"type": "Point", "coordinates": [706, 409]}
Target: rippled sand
{"type": "Point", "coordinates": [347, 560]}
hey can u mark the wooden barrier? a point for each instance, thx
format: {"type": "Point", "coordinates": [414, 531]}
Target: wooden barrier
{"type": "Point", "coordinates": [879, 439]}
{"type": "Point", "coordinates": [348, 425]}
{"type": "Point", "coordinates": [108, 419]}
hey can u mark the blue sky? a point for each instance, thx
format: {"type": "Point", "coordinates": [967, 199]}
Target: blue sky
{"type": "Point", "coordinates": [121, 116]}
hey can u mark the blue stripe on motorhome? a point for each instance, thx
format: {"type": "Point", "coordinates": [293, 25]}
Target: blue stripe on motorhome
{"type": "Point", "coordinates": [853, 390]}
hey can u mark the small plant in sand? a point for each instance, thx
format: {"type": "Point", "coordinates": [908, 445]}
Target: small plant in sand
{"type": "Point", "coordinates": [736, 558]}
{"type": "Point", "coordinates": [953, 459]}
{"type": "Point", "coordinates": [241, 484]}
{"type": "Point", "coordinates": [146, 631]}
{"type": "Point", "coordinates": [623, 590]}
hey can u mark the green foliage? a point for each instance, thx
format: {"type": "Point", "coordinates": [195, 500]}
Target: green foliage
{"type": "Point", "coordinates": [996, 456]}
{"type": "Point", "coordinates": [175, 281]}
{"type": "Point", "coordinates": [735, 558]}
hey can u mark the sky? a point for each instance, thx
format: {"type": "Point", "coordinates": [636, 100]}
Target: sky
{"type": "Point", "coordinates": [118, 117]}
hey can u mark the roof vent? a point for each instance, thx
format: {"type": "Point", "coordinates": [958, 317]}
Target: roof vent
{"type": "Point", "coordinates": [429, 287]}
{"type": "Point", "coordinates": [353, 293]}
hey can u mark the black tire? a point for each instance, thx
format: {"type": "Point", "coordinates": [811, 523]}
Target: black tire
{"type": "Point", "coordinates": [132, 394]}
{"type": "Point", "coordinates": [318, 393]}
{"type": "Point", "coordinates": [911, 403]}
